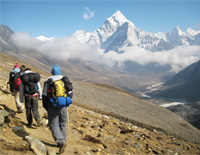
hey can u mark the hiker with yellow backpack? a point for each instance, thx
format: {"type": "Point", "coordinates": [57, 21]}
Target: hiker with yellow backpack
{"type": "Point", "coordinates": [56, 97]}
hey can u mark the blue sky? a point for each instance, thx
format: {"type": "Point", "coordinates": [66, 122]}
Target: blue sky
{"type": "Point", "coordinates": [62, 18]}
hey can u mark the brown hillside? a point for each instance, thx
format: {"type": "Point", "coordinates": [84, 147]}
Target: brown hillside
{"type": "Point", "coordinates": [124, 123]}
{"type": "Point", "coordinates": [89, 133]}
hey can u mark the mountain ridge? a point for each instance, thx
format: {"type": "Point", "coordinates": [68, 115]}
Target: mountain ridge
{"type": "Point", "coordinates": [147, 40]}
{"type": "Point", "coordinates": [183, 85]}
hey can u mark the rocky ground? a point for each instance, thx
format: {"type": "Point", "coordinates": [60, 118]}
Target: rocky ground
{"type": "Point", "coordinates": [88, 133]}
{"type": "Point", "coordinates": [190, 112]}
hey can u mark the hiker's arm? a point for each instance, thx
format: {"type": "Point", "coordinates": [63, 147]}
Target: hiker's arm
{"type": "Point", "coordinates": [21, 92]}
{"type": "Point", "coordinates": [45, 102]}
{"type": "Point", "coordinates": [39, 90]}
{"type": "Point", "coordinates": [70, 94]}
{"type": "Point", "coordinates": [45, 97]}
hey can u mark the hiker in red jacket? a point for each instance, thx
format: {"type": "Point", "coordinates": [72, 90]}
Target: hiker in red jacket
{"type": "Point", "coordinates": [15, 83]}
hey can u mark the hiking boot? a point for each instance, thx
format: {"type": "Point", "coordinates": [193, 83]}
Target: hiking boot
{"type": "Point", "coordinates": [62, 146]}
{"type": "Point", "coordinates": [38, 123]}
{"type": "Point", "coordinates": [19, 110]}
{"type": "Point", "coordinates": [29, 124]}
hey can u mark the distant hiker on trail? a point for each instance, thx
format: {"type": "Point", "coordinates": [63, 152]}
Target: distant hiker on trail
{"type": "Point", "coordinates": [57, 94]}
{"type": "Point", "coordinates": [22, 68]}
{"type": "Point", "coordinates": [15, 82]}
{"type": "Point", "coordinates": [30, 89]}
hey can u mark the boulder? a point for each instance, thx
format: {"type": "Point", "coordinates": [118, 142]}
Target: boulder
{"type": "Point", "coordinates": [36, 145]}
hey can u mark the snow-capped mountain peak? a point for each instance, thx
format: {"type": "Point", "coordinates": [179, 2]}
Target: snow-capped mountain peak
{"type": "Point", "coordinates": [177, 31]}
{"type": "Point", "coordinates": [118, 32]}
{"type": "Point", "coordinates": [109, 27]}
{"type": "Point", "coordinates": [117, 18]}
{"type": "Point", "coordinates": [174, 35]}
{"type": "Point", "coordinates": [192, 32]}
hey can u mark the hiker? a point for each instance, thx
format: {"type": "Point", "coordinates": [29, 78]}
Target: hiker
{"type": "Point", "coordinates": [15, 82]}
{"type": "Point", "coordinates": [22, 68]}
{"type": "Point", "coordinates": [57, 94]}
{"type": "Point", "coordinates": [30, 89]}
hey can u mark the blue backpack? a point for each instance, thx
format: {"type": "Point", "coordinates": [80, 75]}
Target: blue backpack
{"type": "Point", "coordinates": [59, 102]}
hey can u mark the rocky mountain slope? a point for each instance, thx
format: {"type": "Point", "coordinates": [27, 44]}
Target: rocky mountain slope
{"type": "Point", "coordinates": [190, 112]}
{"type": "Point", "coordinates": [118, 123]}
{"type": "Point", "coordinates": [88, 133]}
{"type": "Point", "coordinates": [183, 85]}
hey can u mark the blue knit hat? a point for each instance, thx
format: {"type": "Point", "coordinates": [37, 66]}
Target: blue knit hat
{"type": "Point", "coordinates": [56, 70]}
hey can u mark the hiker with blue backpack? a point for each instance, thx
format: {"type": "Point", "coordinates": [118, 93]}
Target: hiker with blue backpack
{"type": "Point", "coordinates": [56, 97]}
{"type": "Point", "coordinates": [15, 82]}
{"type": "Point", "coordinates": [30, 90]}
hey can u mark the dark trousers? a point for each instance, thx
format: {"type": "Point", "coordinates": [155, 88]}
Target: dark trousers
{"type": "Point", "coordinates": [31, 104]}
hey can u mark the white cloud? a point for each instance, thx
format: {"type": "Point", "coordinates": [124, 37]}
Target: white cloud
{"type": "Point", "coordinates": [69, 47]}
{"type": "Point", "coordinates": [24, 40]}
{"type": "Point", "coordinates": [177, 58]}
{"type": "Point", "coordinates": [58, 48]}
{"type": "Point", "coordinates": [88, 14]}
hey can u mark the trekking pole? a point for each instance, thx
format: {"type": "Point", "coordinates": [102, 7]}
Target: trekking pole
{"type": "Point", "coordinates": [69, 136]}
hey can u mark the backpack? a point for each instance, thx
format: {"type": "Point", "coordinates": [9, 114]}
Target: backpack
{"type": "Point", "coordinates": [68, 84]}
{"type": "Point", "coordinates": [58, 91]}
{"type": "Point", "coordinates": [14, 81]}
{"type": "Point", "coordinates": [31, 88]}
{"type": "Point", "coordinates": [11, 82]}
{"type": "Point", "coordinates": [30, 81]}
{"type": "Point", "coordinates": [17, 81]}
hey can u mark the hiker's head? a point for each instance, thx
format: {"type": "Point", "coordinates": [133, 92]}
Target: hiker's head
{"type": "Point", "coordinates": [56, 70]}
{"type": "Point", "coordinates": [16, 65]}
{"type": "Point", "coordinates": [27, 69]}
{"type": "Point", "coordinates": [22, 68]}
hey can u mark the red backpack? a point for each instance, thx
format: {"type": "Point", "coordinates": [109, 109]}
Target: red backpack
{"type": "Point", "coordinates": [17, 81]}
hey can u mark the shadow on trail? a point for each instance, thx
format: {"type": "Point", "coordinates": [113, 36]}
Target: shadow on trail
{"type": "Point", "coordinates": [28, 126]}
{"type": "Point", "coordinates": [13, 122]}
{"type": "Point", "coordinates": [46, 142]}
{"type": "Point", "coordinates": [10, 111]}
{"type": "Point", "coordinates": [6, 92]}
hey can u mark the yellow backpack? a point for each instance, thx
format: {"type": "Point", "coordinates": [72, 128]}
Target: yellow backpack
{"type": "Point", "coordinates": [57, 92]}
{"type": "Point", "coordinates": [58, 89]}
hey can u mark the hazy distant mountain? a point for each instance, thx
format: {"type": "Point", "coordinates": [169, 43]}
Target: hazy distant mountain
{"type": "Point", "coordinates": [5, 33]}
{"type": "Point", "coordinates": [183, 85]}
{"type": "Point", "coordinates": [117, 32]}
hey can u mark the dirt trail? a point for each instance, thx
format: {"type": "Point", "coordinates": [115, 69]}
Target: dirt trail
{"type": "Point", "coordinates": [42, 133]}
